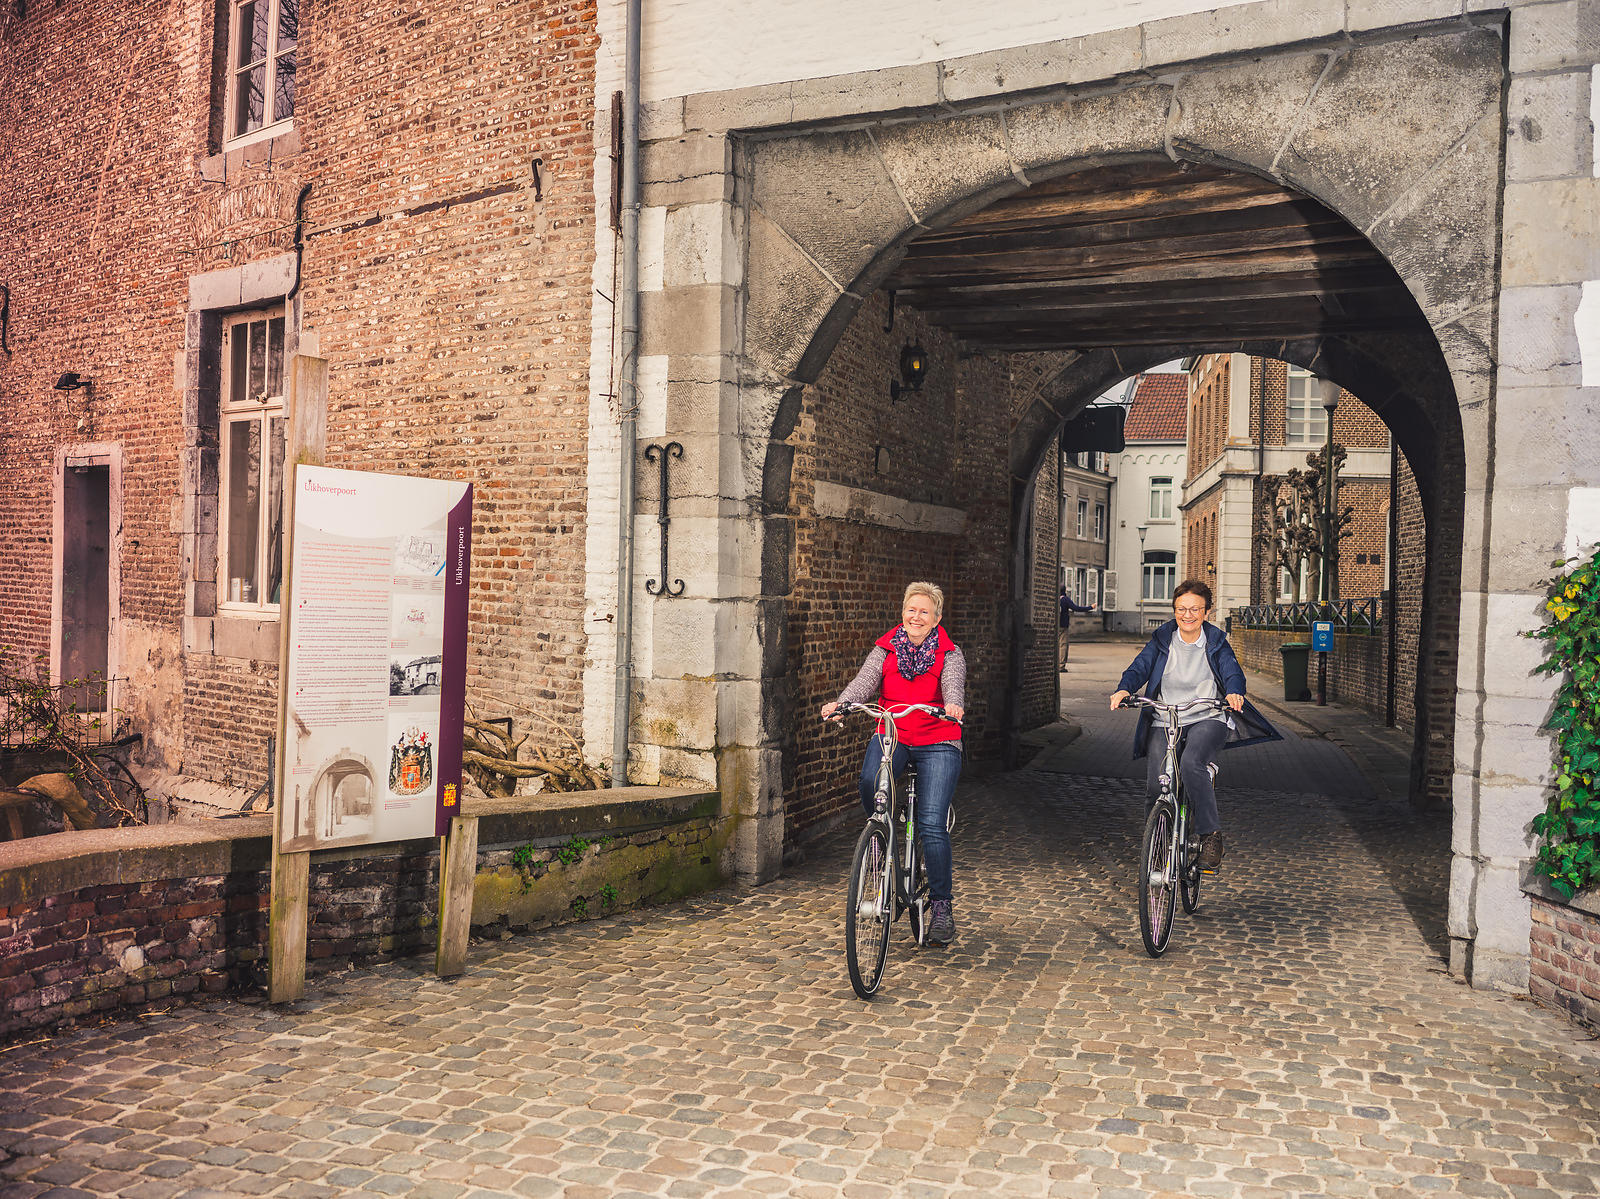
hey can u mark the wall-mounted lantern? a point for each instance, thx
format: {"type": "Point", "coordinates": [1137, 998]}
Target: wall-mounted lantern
{"type": "Point", "coordinates": [913, 371]}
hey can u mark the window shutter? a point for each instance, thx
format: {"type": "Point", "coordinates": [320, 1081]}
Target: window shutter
{"type": "Point", "coordinates": [1109, 588]}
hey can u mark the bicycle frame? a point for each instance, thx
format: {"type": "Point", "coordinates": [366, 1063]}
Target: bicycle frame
{"type": "Point", "coordinates": [1167, 863]}
{"type": "Point", "coordinates": [877, 897]}
{"type": "Point", "coordinates": [897, 814]}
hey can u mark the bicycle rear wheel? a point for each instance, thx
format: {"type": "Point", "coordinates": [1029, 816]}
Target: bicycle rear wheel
{"type": "Point", "coordinates": [1156, 882]}
{"type": "Point", "coordinates": [869, 908]}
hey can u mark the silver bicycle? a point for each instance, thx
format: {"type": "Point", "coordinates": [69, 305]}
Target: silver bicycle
{"type": "Point", "coordinates": [887, 875]}
{"type": "Point", "coordinates": [1169, 856]}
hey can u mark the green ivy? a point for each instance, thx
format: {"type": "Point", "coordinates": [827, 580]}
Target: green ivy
{"type": "Point", "coordinates": [1569, 827]}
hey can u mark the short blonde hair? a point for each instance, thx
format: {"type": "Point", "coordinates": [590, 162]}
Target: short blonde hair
{"type": "Point", "coordinates": [932, 591]}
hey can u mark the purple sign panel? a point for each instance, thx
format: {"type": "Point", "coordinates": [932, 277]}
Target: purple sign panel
{"type": "Point", "coordinates": [377, 629]}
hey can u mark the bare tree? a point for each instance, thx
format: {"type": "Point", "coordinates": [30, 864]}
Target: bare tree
{"type": "Point", "coordinates": [1292, 539]}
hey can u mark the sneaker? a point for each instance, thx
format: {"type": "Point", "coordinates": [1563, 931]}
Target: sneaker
{"type": "Point", "coordinates": [1211, 853]}
{"type": "Point", "coordinates": [941, 923]}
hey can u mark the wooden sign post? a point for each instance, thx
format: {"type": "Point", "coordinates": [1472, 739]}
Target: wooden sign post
{"type": "Point", "coordinates": [306, 407]}
{"type": "Point", "coordinates": [372, 670]}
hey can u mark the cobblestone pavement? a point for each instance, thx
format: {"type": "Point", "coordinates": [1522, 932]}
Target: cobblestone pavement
{"type": "Point", "coordinates": [1301, 1037]}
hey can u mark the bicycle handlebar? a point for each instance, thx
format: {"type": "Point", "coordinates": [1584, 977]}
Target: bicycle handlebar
{"type": "Point", "coordinates": [878, 712]}
{"type": "Point", "coordinates": [1139, 701]}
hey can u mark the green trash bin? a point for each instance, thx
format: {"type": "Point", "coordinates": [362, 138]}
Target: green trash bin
{"type": "Point", "coordinates": [1296, 661]}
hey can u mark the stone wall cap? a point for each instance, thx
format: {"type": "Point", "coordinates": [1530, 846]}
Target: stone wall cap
{"type": "Point", "coordinates": [569, 800]}
{"type": "Point", "coordinates": [1584, 901]}
{"type": "Point", "coordinates": [37, 867]}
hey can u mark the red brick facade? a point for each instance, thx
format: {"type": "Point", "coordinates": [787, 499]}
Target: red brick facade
{"type": "Point", "coordinates": [444, 272]}
{"type": "Point", "coordinates": [944, 446]}
{"type": "Point", "coordinates": [1564, 964]}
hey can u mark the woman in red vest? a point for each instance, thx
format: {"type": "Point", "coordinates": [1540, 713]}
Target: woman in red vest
{"type": "Point", "coordinates": [916, 663]}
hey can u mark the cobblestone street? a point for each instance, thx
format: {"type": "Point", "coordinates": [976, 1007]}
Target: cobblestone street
{"type": "Point", "coordinates": [1301, 1037]}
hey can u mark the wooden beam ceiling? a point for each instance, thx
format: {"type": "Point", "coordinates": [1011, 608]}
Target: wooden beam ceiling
{"type": "Point", "coordinates": [1150, 254]}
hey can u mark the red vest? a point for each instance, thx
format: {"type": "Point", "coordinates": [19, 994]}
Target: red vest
{"type": "Point", "coordinates": [917, 728]}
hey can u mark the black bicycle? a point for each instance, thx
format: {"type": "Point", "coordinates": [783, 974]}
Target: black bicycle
{"type": "Point", "coordinates": [1169, 856]}
{"type": "Point", "coordinates": [887, 875]}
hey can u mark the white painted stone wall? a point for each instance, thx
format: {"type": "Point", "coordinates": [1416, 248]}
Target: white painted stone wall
{"type": "Point", "coordinates": [692, 46]}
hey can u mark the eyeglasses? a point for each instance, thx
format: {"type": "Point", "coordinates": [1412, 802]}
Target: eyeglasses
{"type": "Point", "coordinates": [1190, 611]}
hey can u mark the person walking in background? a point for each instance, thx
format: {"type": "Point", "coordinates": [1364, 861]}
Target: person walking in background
{"type": "Point", "coordinates": [1068, 607]}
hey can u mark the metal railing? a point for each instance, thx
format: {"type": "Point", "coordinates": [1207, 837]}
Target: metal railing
{"type": "Point", "coordinates": [86, 712]}
{"type": "Point", "coordinates": [1361, 616]}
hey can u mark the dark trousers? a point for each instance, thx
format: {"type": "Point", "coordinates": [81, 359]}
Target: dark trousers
{"type": "Point", "coordinates": [938, 767]}
{"type": "Point", "coordinates": [1202, 743]}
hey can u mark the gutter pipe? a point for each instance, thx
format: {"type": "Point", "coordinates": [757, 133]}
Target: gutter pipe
{"type": "Point", "coordinates": [627, 396]}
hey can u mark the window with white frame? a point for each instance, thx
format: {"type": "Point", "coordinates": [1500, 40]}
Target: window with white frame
{"type": "Point", "coordinates": [251, 429]}
{"type": "Point", "coordinates": [1305, 419]}
{"type": "Point", "coordinates": [1160, 574]}
{"type": "Point", "coordinates": [1081, 586]}
{"type": "Point", "coordinates": [1099, 522]}
{"type": "Point", "coordinates": [1083, 518]}
{"type": "Point", "coordinates": [1161, 498]}
{"type": "Point", "coordinates": [1092, 592]}
{"type": "Point", "coordinates": [261, 63]}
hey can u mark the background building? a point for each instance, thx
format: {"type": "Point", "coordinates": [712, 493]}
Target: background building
{"type": "Point", "coordinates": [1085, 534]}
{"type": "Point", "coordinates": [1146, 539]}
{"type": "Point", "coordinates": [1253, 420]}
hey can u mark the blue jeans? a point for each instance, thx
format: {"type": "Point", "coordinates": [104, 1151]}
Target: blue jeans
{"type": "Point", "coordinates": [938, 767]}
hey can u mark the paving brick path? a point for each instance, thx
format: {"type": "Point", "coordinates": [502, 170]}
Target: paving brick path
{"type": "Point", "coordinates": [1301, 1037]}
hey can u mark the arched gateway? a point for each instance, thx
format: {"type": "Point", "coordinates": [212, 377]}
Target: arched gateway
{"type": "Point", "coordinates": [776, 239]}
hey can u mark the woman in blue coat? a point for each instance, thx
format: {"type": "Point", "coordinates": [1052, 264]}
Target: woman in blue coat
{"type": "Point", "coordinates": [1190, 658]}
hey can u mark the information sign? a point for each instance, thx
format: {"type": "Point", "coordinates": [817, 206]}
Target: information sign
{"type": "Point", "coordinates": [1322, 635]}
{"type": "Point", "coordinates": [376, 680]}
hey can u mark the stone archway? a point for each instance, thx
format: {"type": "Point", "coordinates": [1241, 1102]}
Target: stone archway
{"type": "Point", "coordinates": [821, 216]}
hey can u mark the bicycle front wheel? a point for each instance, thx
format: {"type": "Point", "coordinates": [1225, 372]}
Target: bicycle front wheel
{"type": "Point", "coordinates": [869, 908]}
{"type": "Point", "coordinates": [1157, 884]}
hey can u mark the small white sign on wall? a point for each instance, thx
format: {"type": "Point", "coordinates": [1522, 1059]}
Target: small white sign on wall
{"type": "Point", "coordinates": [1586, 322]}
{"type": "Point", "coordinates": [1583, 520]}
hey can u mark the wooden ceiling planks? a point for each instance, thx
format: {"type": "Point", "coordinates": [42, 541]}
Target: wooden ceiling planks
{"type": "Point", "coordinates": [1149, 254]}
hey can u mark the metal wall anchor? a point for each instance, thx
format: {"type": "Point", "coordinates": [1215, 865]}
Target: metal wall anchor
{"type": "Point", "coordinates": [656, 453]}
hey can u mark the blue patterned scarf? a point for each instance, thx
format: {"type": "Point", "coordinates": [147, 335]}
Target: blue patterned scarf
{"type": "Point", "coordinates": [914, 660]}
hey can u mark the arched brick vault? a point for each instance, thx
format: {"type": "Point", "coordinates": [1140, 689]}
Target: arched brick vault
{"type": "Point", "coordinates": [1400, 135]}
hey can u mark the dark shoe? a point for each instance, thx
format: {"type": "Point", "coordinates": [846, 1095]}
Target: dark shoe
{"type": "Point", "coordinates": [1211, 853]}
{"type": "Point", "coordinates": [941, 923]}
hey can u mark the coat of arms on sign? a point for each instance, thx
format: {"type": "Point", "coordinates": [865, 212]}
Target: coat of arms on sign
{"type": "Point", "coordinates": [411, 763]}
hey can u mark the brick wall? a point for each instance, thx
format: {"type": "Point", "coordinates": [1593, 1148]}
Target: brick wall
{"type": "Point", "coordinates": [1356, 671]}
{"type": "Point", "coordinates": [448, 288]}
{"type": "Point", "coordinates": [1208, 411]}
{"type": "Point", "coordinates": [1200, 537]}
{"type": "Point", "coordinates": [945, 446]}
{"type": "Point", "coordinates": [76, 951]}
{"type": "Point", "coordinates": [1564, 960]}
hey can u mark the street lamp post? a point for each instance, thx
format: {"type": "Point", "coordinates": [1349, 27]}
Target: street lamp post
{"type": "Point", "coordinates": [1143, 529]}
{"type": "Point", "coordinates": [1328, 583]}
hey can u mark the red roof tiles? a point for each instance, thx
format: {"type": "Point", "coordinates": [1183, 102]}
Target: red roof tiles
{"type": "Point", "coordinates": [1160, 409]}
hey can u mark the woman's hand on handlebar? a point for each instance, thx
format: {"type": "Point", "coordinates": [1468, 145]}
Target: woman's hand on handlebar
{"type": "Point", "coordinates": [830, 711]}
{"type": "Point", "coordinates": [956, 712]}
{"type": "Point", "coordinates": [1117, 697]}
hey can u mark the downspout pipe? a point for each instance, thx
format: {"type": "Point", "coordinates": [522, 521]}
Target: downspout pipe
{"type": "Point", "coordinates": [627, 396]}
